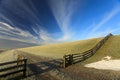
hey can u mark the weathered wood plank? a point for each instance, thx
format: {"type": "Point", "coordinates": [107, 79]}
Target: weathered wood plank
{"type": "Point", "coordinates": [11, 62]}
{"type": "Point", "coordinates": [22, 66]}
{"type": "Point", "coordinates": [12, 67]}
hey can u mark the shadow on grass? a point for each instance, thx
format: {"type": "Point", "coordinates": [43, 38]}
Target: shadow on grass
{"type": "Point", "coordinates": [40, 70]}
{"type": "Point", "coordinates": [13, 77]}
{"type": "Point", "coordinates": [44, 67]}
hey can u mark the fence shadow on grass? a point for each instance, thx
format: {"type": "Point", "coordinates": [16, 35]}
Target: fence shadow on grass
{"type": "Point", "coordinates": [44, 67]}
{"type": "Point", "coordinates": [20, 77]}
{"type": "Point", "coordinates": [39, 65]}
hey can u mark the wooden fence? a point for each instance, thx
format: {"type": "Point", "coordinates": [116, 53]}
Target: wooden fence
{"type": "Point", "coordinates": [9, 69]}
{"type": "Point", "coordinates": [75, 58]}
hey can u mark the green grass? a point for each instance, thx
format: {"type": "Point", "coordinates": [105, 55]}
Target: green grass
{"type": "Point", "coordinates": [110, 48]}
{"type": "Point", "coordinates": [60, 49]}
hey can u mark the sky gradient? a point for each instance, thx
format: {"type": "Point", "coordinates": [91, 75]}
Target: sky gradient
{"type": "Point", "coordinates": [39, 22]}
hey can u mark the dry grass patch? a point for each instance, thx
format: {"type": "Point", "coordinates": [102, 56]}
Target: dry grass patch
{"type": "Point", "coordinates": [58, 50]}
{"type": "Point", "coordinates": [7, 56]}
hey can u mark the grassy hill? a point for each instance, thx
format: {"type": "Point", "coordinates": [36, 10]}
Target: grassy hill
{"type": "Point", "coordinates": [60, 49]}
{"type": "Point", "coordinates": [77, 71]}
{"type": "Point", "coordinates": [110, 48]}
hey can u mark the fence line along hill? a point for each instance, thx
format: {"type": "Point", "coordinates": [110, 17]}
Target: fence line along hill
{"type": "Point", "coordinates": [111, 48]}
{"type": "Point", "coordinates": [75, 58]}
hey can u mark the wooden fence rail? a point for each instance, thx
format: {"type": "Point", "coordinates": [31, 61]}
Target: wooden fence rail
{"type": "Point", "coordinates": [75, 58]}
{"type": "Point", "coordinates": [7, 68]}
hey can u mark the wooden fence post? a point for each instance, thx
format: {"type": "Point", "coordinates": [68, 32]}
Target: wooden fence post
{"type": "Point", "coordinates": [92, 52]}
{"type": "Point", "coordinates": [24, 63]}
{"type": "Point", "coordinates": [83, 57]}
{"type": "Point", "coordinates": [69, 62]}
{"type": "Point", "coordinates": [64, 61]}
{"type": "Point", "coordinates": [25, 68]}
{"type": "Point", "coordinates": [20, 57]}
{"type": "Point", "coordinates": [71, 59]}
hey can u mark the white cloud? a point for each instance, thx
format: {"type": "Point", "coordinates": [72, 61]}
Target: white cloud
{"type": "Point", "coordinates": [63, 11]}
{"type": "Point", "coordinates": [14, 33]}
{"type": "Point", "coordinates": [93, 32]}
{"type": "Point", "coordinates": [21, 9]}
{"type": "Point", "coordinates": [103, 33]}
{"type": "Point", "coordinates": [6, 26]}
{"type": "Point", "coordinates": [110, 15]}
{"type": "Point", "coordinates": [2, 16]}
{"type": "Point", "coordinates": [44, 37]}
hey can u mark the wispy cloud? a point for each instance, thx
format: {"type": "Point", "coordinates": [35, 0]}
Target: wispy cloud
{"type": "Point", "coordinates": [94, 31]}
{"type": "Point", "coordinates": [14, 33]}
{"type": "Point", "coordinates": [44, 37]}
{"type": "Point", "coordinates": [63, 11]}
{"type": "Point", "coordinates": [108, 17]}
{"type": "Point", "coordinates": [103, 33]}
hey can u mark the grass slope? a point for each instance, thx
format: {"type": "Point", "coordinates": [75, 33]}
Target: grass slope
{"type": "Point", "coordinates": [6, 56]}
{"type": "Point", "coordinates": [60, 49]}
{"type": "Point", "coordinates": [110, 48]}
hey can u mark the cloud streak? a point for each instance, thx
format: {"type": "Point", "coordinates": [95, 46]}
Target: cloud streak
{"type": "Point", "coordinates": [35, 24]}
{"type": "Point", "coordinates": [63, 11]}
{"type": "Point", "coordinates": [14, 33]}
{"type": "Point", "coordinates": [94, 30]}
{"type": "Point", "coordinates": [110, 15]}
{"type": "Point", "coordinates": [22, 10]}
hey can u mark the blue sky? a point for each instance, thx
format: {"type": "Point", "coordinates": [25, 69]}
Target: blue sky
{"type": "Point", "coordinates": [51, 21]}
